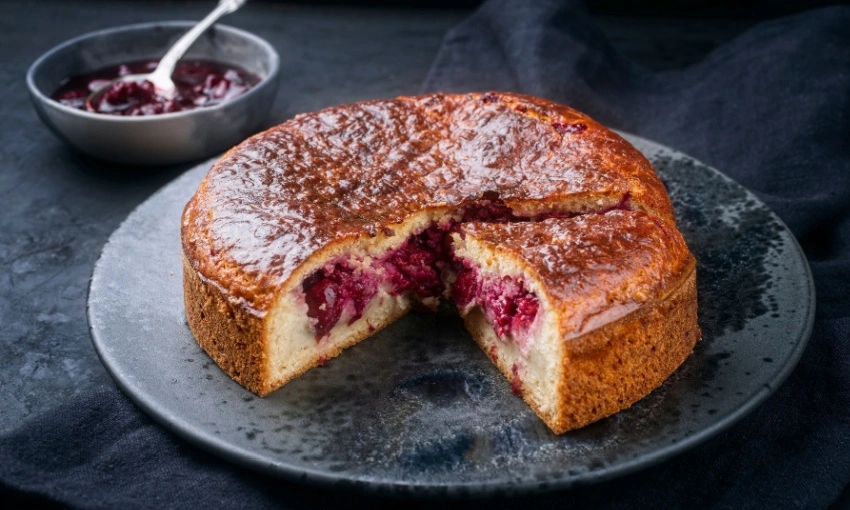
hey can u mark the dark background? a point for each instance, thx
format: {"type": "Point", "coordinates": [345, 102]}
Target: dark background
{"type": "Point", "coordinates": [722, 9]}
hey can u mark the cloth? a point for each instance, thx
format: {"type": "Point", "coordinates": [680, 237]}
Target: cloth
{"type": "Point", "coordinates": [770, 108]}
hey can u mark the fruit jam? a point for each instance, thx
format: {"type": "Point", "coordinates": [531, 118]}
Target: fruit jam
{"type": "Point", "coordinates": [200, 83]}
{"type": "Point", "coordinates": [509, 307]}
{"type": "Point", "coordinates": [340, 290]}
{"type": "Point", "coordinates": [418, 264]}
{"type": "Point", "coordinates": [332, 291]}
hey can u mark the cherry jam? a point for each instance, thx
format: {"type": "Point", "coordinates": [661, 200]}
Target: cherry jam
{"type": "Point", "coordinates": [200, 83]}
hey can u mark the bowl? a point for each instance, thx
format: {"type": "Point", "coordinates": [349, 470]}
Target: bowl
{"type": "Point", "coordinates": [155, 139]}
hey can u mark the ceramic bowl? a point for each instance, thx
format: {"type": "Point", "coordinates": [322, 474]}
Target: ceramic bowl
{"type": "Point", "coordinates": [156, 139]}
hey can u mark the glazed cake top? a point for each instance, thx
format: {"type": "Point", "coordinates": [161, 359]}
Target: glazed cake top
{"type": "Point", "coordinates": [355, 170]}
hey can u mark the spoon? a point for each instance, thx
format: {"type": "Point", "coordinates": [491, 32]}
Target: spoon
{"type": "Point", "coordinates": [161, 76]}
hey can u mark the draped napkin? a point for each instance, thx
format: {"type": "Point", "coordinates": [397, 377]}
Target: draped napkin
{"type": "Point", "coordinates": [771, 109]}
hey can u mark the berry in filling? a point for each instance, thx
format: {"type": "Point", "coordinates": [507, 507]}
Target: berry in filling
{"type": "Point", "coordinates": [622, 205]}
{"type": "Point", "coordinates": [491, 211]}
{"type": "Point", "coordinates": [508, 305]}
{"type": "Point", "coordinates": [332, 291]}
{"type": "Point", "coordinates": [418, 264]}
{"type": "Point", "coordinates": [338, 290]}
{"type": "Point", "coordinates": [564, 128]}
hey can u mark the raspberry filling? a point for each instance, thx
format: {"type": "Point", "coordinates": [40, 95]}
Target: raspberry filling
{"type": "Point", "coordinates": [622, 205]}
{"type": "Point", "coordinates": [418, 264]}
{"type": "Point", "coordinates": [508, 305]}
{"type": "Point", "coordinates": [332, 291]}
{"type": "Point", "coordinates": [339, 291]}
{"type": "Point", "coordinates": [491, 210]}
{"type": "Point", "coordinates": [494, 210]}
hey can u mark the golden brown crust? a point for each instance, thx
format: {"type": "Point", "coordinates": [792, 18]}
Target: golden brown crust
{"type": "Point", "coordinates": [233, 338]}
{"type": "Point", "coordinates": [610, 368]}
{"type": "Point", "coordinates": [622, 285]}
{"type": "Point", "coordinates": [632, 357]}
{"type": "Point", "coordinates": [236, 340]}
{"type": "Point", "coordinates": [596, 267]}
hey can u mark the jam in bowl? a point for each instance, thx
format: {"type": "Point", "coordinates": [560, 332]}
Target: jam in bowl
{"type": "Point", "coordinates": [231, 81]}
{"type": "Point", "coordinates": [199, 83]}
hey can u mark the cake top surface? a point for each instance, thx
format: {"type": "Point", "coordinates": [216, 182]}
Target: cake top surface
{"type": "Point", "coordinates": [598, 267]}
{"type": "Point", "coordinates": [345, 171]}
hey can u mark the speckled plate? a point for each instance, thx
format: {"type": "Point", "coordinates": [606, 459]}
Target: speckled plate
{"type": "Point", "coordinates": [418, 409]}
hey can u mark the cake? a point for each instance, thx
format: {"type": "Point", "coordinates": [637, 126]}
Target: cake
{"type": "Point", "coordinates": [551, 233]}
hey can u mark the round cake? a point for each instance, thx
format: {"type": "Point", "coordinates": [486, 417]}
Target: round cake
{"type": "Point", "coordinates": [551, 233]}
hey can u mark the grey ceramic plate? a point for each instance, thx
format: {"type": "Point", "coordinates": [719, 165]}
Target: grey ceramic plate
{"type": "Point", "coordinates": [418, 409]}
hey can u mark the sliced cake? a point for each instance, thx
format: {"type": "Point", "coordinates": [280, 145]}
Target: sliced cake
{"type": "Point", "coordinates": [309, 237]}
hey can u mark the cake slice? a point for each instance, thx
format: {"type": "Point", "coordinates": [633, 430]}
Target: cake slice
{"type": "Point", "coordinates": [584, 316]}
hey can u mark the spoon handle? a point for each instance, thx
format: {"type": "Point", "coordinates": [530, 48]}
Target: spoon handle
{"type": "Point", "coordinates": [161, 76]}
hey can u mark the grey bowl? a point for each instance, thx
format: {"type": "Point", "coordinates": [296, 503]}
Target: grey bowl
{"type": "Point", "coordinates": [157, 139]}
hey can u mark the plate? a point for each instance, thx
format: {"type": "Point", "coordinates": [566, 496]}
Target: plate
{"type": "Point", "coordinates": [418, 409]}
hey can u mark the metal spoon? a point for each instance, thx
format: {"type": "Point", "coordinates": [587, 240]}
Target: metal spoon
{"type": "Point", "coordinates": [161, 76]}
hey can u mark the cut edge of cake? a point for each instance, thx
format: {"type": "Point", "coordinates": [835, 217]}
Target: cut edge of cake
{"type": "Point", "coordinates": [573, 380]}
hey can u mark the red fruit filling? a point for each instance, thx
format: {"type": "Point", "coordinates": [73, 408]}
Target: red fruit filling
{"type": "Point", "coordinates": [331, 291]}
{"type": "Point", "coordinates": [491, 211]}
{"type": "Point", "coordinates": [563, 128]}
{"type": "Point", "coordinates": [516, 382]}
{"type": "Point", "coordinates": [336, 289]}
{"type": "Point", "coordinates": [490, 98]}
{"type": "Point", "coordinates": [418, 265]}
{"type": "Point", "coordinates": [508, 305]}
{"type": "Point", "coordinates": [622, 205]}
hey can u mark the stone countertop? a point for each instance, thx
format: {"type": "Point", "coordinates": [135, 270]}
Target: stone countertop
{"type": "Point", "coordinates": [60, 207]}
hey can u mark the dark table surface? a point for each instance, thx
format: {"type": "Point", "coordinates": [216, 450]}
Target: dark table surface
{"type": "Point", "coordinates": [59, 207]}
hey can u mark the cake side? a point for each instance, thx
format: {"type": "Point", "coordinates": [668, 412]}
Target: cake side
{"type": "Point", "coordinates": [232, 336]}
{"type": "Point", "coordinates": [629, 358]}
{"type": "Point", "coordinates": [264, 353]}
{"type": "Point", "coordinates": [351, 289]}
